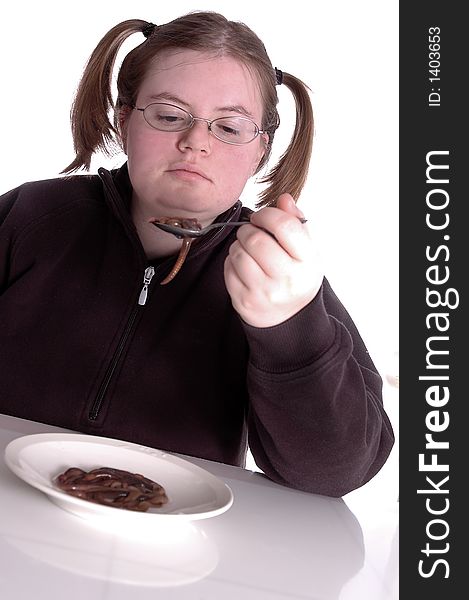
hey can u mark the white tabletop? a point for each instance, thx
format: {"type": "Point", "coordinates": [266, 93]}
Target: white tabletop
{"type": "Point", "coordinates": [273, 543]}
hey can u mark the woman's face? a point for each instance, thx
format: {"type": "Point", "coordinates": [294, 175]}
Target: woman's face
{"type": "Point", "coordinates": [191, 173]}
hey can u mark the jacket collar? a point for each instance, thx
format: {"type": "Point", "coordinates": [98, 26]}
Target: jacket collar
{"type": "Point", "coordinates": [118, 194]}
{"type": "Point", "coordinates": [117, 182]}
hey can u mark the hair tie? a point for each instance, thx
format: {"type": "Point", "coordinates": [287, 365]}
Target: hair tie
{"type": "Point", "coordinates": [148, 29]}
{"type": "Point", "coordinates": [279, 76]}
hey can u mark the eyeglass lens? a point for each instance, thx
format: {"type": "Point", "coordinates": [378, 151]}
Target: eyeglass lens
{"type": "Point", "coordinates": [233, 130]}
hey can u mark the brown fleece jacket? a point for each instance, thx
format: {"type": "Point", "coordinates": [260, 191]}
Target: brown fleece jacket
{"type": "Point", "coordinates": [182, 371]}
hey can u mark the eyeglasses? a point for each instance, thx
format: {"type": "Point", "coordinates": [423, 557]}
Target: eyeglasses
{"type": "Point", "coordinates": [231, 130]}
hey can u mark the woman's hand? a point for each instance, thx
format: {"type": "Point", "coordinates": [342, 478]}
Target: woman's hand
{"type": "Point", "coordinates": [272, 277]}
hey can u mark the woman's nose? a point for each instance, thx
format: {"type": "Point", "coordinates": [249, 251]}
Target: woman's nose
{"type": "Point", "coordinates": [197, 137]}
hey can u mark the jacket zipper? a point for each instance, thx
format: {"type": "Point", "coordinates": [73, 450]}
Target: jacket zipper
{"type": "Point", "coordinates": [148, 275]}
{"type": "Point", "coordinates": [98, 401]}
{"type": "Point", "coordinates": [149, 272]}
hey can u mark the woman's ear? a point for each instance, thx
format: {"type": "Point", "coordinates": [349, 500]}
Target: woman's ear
{"type": "Point", "coordinates": [264, 144]}
{"type": "Point", "coordinates": [123, 115]}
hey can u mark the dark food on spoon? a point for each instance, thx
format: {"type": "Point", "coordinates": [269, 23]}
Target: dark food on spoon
{"type": "Point", "coordinates": [186, 241]}
{"type": "Point", "coordinates": [113, 487]}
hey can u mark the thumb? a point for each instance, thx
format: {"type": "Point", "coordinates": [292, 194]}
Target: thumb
{"type": "Point", "coordinates": [286, 203]}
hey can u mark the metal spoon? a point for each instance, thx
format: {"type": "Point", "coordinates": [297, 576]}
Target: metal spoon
{"type": "Point", "coordinates": [182, 232]}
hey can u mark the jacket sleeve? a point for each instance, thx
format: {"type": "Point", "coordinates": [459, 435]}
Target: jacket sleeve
{"type": "Point", "coordinates": [316, 416]}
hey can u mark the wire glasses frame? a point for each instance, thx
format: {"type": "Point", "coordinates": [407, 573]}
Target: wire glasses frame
{"type": "Point", "coordinates": [235, 130]}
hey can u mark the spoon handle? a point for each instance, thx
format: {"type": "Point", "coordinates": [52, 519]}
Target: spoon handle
{"type": "Point", "coordinates": [182, 232]}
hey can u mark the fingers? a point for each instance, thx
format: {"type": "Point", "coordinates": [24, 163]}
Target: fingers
{"type": "Point", "coordinates": [286, 203]}
{"type": "Point", "coordinates": [257, 253]}
{"type": "Point", "coordinates": [284, 224]}
{"type": "Point", "coordinates": [272, 270]}
{"type": "Point", "coordinates": [274, 241]}
{"type": "Point", "coordinates": [245, 260]}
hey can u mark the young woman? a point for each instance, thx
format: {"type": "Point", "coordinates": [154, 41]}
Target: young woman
{"type": "Point", "coordinates": [242, 342]}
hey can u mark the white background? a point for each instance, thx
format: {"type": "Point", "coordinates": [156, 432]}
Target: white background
{"type": "Point", "coordinates": [347, 52]}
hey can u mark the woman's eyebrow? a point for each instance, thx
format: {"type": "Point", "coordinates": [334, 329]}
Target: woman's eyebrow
{"type": "Point", "coordinates": [166, 96]}
{"type": "Point", "coordinates": [236, 108]}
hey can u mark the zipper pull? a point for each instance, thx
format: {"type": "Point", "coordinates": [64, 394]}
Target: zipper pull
{"type": "Point", "coordinates": [149, 272]}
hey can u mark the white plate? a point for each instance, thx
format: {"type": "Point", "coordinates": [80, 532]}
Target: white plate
{"type": "Point", "coordinates": [193, 492]}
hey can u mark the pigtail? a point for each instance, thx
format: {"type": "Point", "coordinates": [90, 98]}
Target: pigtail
{"type": "Point", "coordinates": [290, 173]}
{"type": "Point", "coordinates": [89, 116]}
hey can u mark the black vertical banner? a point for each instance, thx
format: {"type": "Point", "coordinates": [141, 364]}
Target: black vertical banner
{"type": "Point", "coordinates": [434, 234]}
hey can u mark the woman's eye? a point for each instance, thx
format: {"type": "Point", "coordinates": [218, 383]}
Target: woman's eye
{"type": "Point", "coordinates": [228, 129]}
{"type": "Point", "coordinates": [168, 118]}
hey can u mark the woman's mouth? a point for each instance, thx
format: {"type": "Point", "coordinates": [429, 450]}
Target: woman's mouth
{"type": "Point", "coordinates": [188, 172]}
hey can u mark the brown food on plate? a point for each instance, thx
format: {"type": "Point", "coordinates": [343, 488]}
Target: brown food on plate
{"type": "Point", "coordinates": [186, 242]}
{"type": "Point", "coordinates": [112, 487]}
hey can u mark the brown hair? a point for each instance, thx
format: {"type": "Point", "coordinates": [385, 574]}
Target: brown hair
{"type": "Point", "coordinates": [92, 129]}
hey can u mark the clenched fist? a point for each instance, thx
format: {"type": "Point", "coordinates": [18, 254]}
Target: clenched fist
{"type": "Point", "coordinates": [273, 272]}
